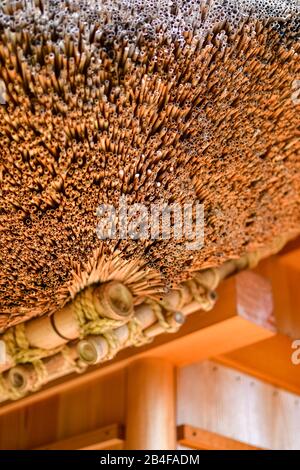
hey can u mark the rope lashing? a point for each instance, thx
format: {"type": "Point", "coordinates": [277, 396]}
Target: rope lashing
{"type": "Point", "coordinates": [202, 288]}
{"type": "Point", "coordinates": [11, 393]}
{"type": "Point", "coordinates": [41, 375]}
{"type": "Point", "coordinates": [19, 349]}
{"type": "Point", "coordinates": [38, 377]}
{"type": "Point", "coordinates": [158, 308]}
{"type": "Point", "coordinates": [91, 308]}
{"type": "Point", "coordinates": [78, 365]}
{"type": "Point", "coordinates": [113, 345]}
{"type": "Point", "coordinates": [16, 384]}
{"type": "Point", "coordinates": [201, 292]}
{"type": "Point", "coordinates": [91, 313]}
{"type": "Point", "coordinates": [137, 337]}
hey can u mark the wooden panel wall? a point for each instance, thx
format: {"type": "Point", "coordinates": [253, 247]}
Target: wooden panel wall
{"type": "Point", "coordinates": [209, 396]}
{"type": "Point", "coordinates": [235, 405]}
{"type": "Point", "coordinates": [72, 412]}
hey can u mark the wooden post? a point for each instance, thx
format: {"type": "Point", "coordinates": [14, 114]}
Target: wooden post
{"type": "Point", "coordinates": [151, 417]}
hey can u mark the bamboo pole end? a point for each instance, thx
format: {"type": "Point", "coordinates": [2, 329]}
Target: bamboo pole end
{"type": "Point", "coordinates": [87, 352]}
{"type": "Point", "coordinates": [116, 299]}
{"type": "Point", "coordinates": [18, 379]}
{"type": "Point", "coordinates": [92, 350]}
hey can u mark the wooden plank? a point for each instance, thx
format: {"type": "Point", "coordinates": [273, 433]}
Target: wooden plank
{"type": "Point", "coordinates": [102, 402]}
{"type": "Point", "coordinates": [199, 439]}
{"type": "Point", "coordinates": [233, 404]}
{"type": "Point", "coordinates": [93, 405]}
{"type": "Point", "coordinates": [26, 428]}
{"type": "Point", "coordinates": [100, 439]}
{"type": "Point", "coordinates": [269, 360]}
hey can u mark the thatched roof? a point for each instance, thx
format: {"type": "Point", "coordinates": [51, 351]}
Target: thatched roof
{"type": "Point", "coordinates": [159, 101]}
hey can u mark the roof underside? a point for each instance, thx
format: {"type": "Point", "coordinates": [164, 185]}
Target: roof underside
{"type": "Point", "coordinates": [99, 104]}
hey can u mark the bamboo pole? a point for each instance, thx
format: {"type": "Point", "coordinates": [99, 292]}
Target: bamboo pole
{"type": "Point", "coordinates": [113, 298]}
{"type": "Point", "coordinates": [23, 379]}
{"type": "Point", "coordinates": [115, 301]}
{"type": "Point", "coordinates": [94, 349]}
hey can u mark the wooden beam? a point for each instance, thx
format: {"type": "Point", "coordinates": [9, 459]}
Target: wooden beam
{"type": "Point", "coordinates": [107, 438]}
{"type": "Point", "coordinates": [284, 274]}
{"type": "Point", "coordinates": [199, 439]}
{"type": "Point", "coordinates": [292, 258]}
{"type": "Point", "coordinates": [151, 423]}
{"type": "Point", "coordinates": [271, 360]}
{"type": "Point", "coordinates": [290, 247]}
{"type": "Point", "coordinates": [243, 316]}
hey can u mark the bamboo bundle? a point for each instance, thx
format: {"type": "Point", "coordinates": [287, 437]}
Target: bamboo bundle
{"type": "Point", "coordinates": [22, 379]}
{"type": "Point", "coordinates": [105, 305]}
{"type": "Point", "coordinates": [113, 300]}
{"type": "Point", "coordinates": [148, 321]}
{"type": "Point", "coordinates": [26, 378]}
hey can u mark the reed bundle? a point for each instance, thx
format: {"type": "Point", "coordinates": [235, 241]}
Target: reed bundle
{"type": "Point", "coordinates": [182, 102]}
{"type": "Point", "coordinates": [174, 102]}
